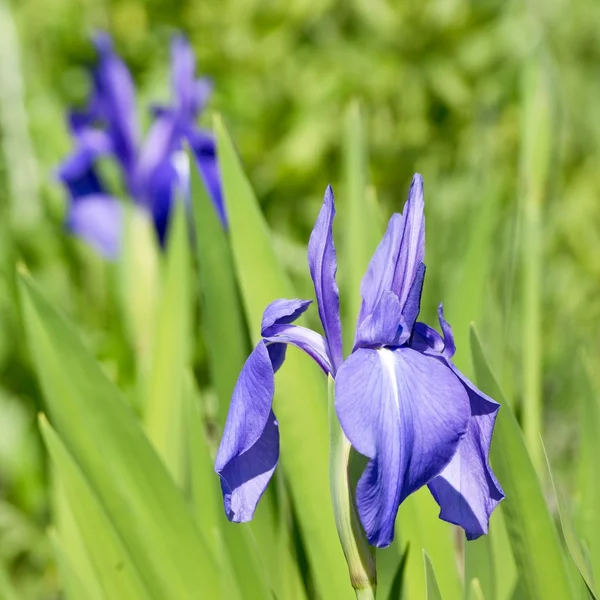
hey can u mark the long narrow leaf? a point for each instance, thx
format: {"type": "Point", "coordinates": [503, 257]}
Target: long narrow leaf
{"type": "Point", "coordinates": [530, 526]}
{"type": "Point", "coordinates": [222, 316]}
{"type": "Point", "coordinates": [165, 386]}
{"type": "Point", "coordinates": [301, 402]}
{"type": "Point", "coordinates": [433, 589]}
{"type": "Point", "coordinates": [101, 432]}
{"type": "Point", "coordinates": [114, 568]}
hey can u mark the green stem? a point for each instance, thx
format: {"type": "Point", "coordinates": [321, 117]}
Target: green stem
{"type": "Point", "coordinates": [359, 555]}
{"type": "Point", "coordinates": [365, 594]}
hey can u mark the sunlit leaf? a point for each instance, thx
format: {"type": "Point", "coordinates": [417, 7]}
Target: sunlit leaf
{"type": "Point", "coordinates": [529, 523]}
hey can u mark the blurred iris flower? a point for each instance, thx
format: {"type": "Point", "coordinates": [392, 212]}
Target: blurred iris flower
{"type": "Point", "coordinates": [154, 171]}
{"type": "Point", "coordinates": [399, 398]}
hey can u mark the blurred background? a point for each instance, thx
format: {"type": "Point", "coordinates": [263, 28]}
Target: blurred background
{"type": "Point", "coordinates": [495, 103]}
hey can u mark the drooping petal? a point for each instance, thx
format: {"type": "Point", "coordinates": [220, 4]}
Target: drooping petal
{"type": "Point", "coordinates": [407, 413]}
{"type": "Point", "coordinates": [277, 330]}
{"type": "Point", "coordinates": [114, 102]}
{"type": "Point", "coordinates": [282, 312]}
{"type": "Point", "coordinates": [78, 170]}
{"type": "Point", "coordinates": [205, 151]}
{"type": "Point", "coordinates": [467, 489]}
{"type": "Point", "coordinates": [306, 339]}
{"type": "Point", "coordinates": [249, 450]}
{"type": "Point", "coordinates": [98, 219]}
{"type": "Point", "coordinates": [385, 325]}
{"type": "Point", "coordinates": [323, 266]}
{"type": "Point", "coordinates": [397, 261]}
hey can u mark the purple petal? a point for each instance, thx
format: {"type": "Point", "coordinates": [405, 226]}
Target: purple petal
{"type": "Point", "coordinates": [385, 325]}
{"type": "Point", "coordinates": [157, 175]}
{"type": "Point", "coordinates": [412, 306]}
{"type": "Point", "coordinates": [467, 489]}
{"type": "Point", "coordinates": [426, 339]}
{"type": "Point", "coordinates": [277, 331]}
{"type": "Point", "coordinates": [183, 66]}
{"type": "Point", "coordinates": [406, 412]}
{"type": "Point", "coordinates": [449, 345]}
{"type": "Point", "coordinates": [78, 171]}
{"type": "Point", "coordinates": [190, 94]}
{"type": "Point", "coordinates": [205, 151]}
{"type": "Point", "coordinates": [98, 219]}
{"type": "Point", "coordinates": [323, 266]}
{"type": "Point", "coordinates": [249, 449]}
{"type": "Point", "coordinates": [396, 264]}
{"type": "Point", "coordinates": [282, 312]}
{"type": "Point", "coordinates": [306, 339]}
{"type": "Point", "coordinates": [114, 101]}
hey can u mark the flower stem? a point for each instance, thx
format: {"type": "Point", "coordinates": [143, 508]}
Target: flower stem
{"type": "Point", "coordinates": [359, 555]}
{"type": "Point", "coordinates": [365, 594]}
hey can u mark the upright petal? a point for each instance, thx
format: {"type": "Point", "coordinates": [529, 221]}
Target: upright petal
{"type": "Point", "coordinates": [385, 325]}
{"type": "Point", "coordinates": [157, 177]}
{"type": "Point", "coordinates": [205, 151]}
{"type": "Point", "coordinates": [426, 339]}
{"type": "Point", "coordinates": [98, 219]}
{"type": "Point", "coordinates": [467, 489]}
{"type": "Point", "coordinates": [407, 413]}
{"type": "Point", "coordinates": [114, 101]}
{"type": "Point", "coordinates": [397, 262]}
{"type": "Point", "coordinates": [323, 266]}
{"type": "Point", "coordinates": [190, 94]}
{"type": "Point", "coordinates": [249, 449]}
{"type": "Point", "coordinates": [183, 65]}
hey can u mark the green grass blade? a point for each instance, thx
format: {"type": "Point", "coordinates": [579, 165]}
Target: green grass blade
{"type": "Point", "coordinates": [479, 567]}
{"type": "Point", "coordinates": [397, 583]}
{"type": "Point", "coordinates": [504, 562]}
{"type": "Point", "coordinates": [302, 409]}
{"type": "Point", "coordinates": [71, 540]}
{"type": "Point", "coordinates": [222, 316]}
{"type": "Point", "coordinates": [537, 144]}
{"type": "Point", "coordinates": [139, 286]}
{"type": "Point", "coordinates": [362, 227]}
{"type": "Point", "coordinates": [588, 519]}
{"type": "Point", "coordinates": [475, 591]}
{"type": "Point", "coordinates": [433, 590]}
{"type": "Point", "coordinates": [573, 544]}
{"type": "Point", "coordinates": [418, 524]}
{"type": "Point", "coordinates": [103, 435]}
{"type": "Point", "coordinates": [171, 355]}
{"type": "Point", "coordinates": [7, 589]}
{"type": "Point", "coordinates": [238, 558]}
{"type": "Point", "coordinates": [114, 568]}
{"type": "Point", "coordinates": [543, 573]}
{"type": "Point", "coordinates": [74, 586]}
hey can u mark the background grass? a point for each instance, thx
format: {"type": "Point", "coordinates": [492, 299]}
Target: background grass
{"type": "Point", "coordinates": [494, 103]}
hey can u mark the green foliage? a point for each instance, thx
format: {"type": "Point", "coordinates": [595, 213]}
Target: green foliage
{"type": "Point", "coordinates": [494, 103]}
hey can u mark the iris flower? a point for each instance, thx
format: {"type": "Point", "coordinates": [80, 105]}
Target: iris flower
{"type": "Point", "coordinates": [399, 399]}
{"type": "Point", "coordinates": [154, 171]}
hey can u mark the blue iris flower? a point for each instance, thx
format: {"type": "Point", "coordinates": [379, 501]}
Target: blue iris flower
{"type": "Point", "coordinates": [154, 171]}
{"type": "Point", "coordinates": [399, 398]}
